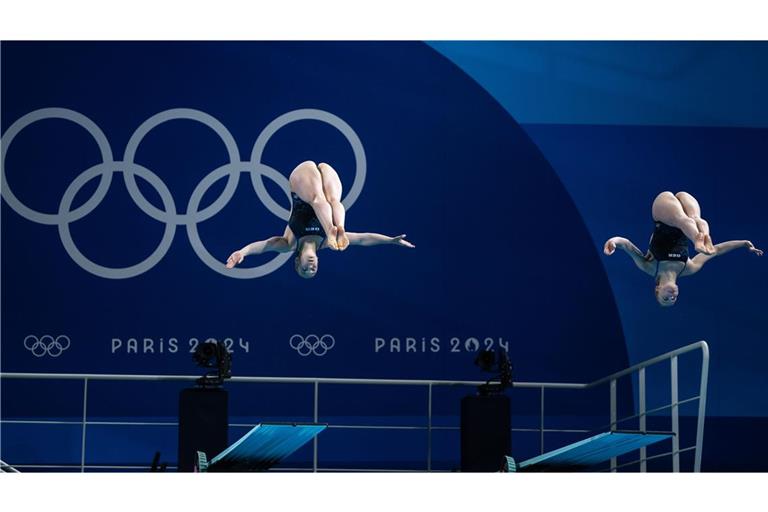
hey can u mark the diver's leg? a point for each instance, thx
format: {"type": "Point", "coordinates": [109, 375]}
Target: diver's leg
{"type": "Point", "coordinates": [307, 183]}
{"type": "Point", "coordinates": [333, 190]}
{"type": "Point", "coordinates": [668, 209]}
{"type": "Point", "coordinates": [693, 210]}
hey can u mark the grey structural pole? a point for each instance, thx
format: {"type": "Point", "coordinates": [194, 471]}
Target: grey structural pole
{"type": "Point", "coordinates": [541, 423]}
{"type": "Point", "coordinates": [85, 414]}
{"type": "Point", "coordinates": [641, 412]}
{"type": "Point", "coordinates": [613, 418]}
{"type": "Point", "coordinates": [316, 416]}
{"type": "Point", "coordinates": [702, 407]}
{"type": "Point", "coordinates": [429, 428]}
{"type": "Point", "coordinates": [675, 417]}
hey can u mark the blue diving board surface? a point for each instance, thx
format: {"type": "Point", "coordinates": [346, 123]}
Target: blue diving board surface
{"type": "Point", "coordinates": [591, 451]}
{"type": "Point", "coordinates": [263, 446]}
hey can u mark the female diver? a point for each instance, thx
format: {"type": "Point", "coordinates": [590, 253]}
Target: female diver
{"type": "Point", "coordinates": [316, 222]}
{"type": "Point", "coordinates": [678, 219]}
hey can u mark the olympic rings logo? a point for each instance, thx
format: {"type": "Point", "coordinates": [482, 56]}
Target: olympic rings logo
{"type": "Point", "coordinates": [46, 345]}
{"type": "Point", "coordinates": [312, 344]}
{"type": "Point", "coordinates": [168, 215]}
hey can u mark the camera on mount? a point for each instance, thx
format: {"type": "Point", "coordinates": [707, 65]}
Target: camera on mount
{"type": "Point", "coordinates": [497, 363]}
{"type": "Point", "coordinates": [214, 355]}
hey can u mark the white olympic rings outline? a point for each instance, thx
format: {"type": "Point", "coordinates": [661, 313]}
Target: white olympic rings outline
{"type": "Point", "coordinates": [47, 344]}
{"type": "Point", "coordinates": [129, 168]}
{"type": "Point", "coordinates": [312, 344]}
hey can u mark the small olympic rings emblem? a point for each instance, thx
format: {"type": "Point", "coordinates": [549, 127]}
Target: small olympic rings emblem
{"type": "Point", "coordinates": [172, 219]}
{"type": "Point", "coordinates": [46, 345]}
{"type": "Point", "coordinates": [312, 344]}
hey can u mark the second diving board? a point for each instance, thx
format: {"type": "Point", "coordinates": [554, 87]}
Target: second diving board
{"type": "Point", "coordinates": [262, 447]}
{"type": "Point", "coordinates": [591, 451]}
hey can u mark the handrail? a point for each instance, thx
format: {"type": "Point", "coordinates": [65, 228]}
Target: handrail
{"type": "Point", "coordinates": [316, 381]}
{"type": "Point", "coordinates": [649, 362]}
{"type": "Point", "coordinates": [284, 380]}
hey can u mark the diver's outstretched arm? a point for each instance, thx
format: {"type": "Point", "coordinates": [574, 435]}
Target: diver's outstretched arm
{"type": "Point", "coordinates": [640, 259]}
{"type": "Point", "coordinates": [700, 259]}
{"type": "Point", "coordinates": [368, 239]}
{"type": "Point", "coordinates": [274, 244]}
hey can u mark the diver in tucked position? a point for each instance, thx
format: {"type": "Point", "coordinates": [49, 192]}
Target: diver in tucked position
{"type": "Point", "coordinates": [678, 219]}
{"type": "Point", "coordinates": [316, 222]}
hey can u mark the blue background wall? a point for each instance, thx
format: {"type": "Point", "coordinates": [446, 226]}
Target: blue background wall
{"type": "Point", "coordinates": [501, 213]}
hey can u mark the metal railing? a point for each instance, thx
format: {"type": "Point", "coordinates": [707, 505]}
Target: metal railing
{"type": "Point", "coordinates": [611, 380]}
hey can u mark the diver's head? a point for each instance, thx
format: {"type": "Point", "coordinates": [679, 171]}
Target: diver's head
{"type": "Point", "coordinates": [666, 293]}
{"type": "Point", "coordinates": [306, 262]}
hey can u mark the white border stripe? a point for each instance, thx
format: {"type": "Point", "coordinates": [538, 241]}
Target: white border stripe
{"type": "Point", "coordinates": [393, 19]}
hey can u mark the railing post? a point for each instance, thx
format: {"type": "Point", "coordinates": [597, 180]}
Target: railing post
{"type": "Point", "coordinates": [641, 413]}
{"type": "Point", "coordinates": [702, 407]}
{"type": "Point", "coordinates": [675, 417]}
{"type": "Point", "coordinates": [429, 428]}
{"type": "Point", "coordinates": [613, 418]}
{"type": "Point", "coordinates": [85, 413]}
{"type": "Point", "coordinates": [541, 423]}
{"type": "Point", "coordinates": [316, 416]}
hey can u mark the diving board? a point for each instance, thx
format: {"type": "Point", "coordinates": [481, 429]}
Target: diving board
{"type": "Point", "coordinates": [7, 468]}
{"type": "Point", "coordinates": [262, 447]}
{"type": "Point", "coordinates": [591, 451]}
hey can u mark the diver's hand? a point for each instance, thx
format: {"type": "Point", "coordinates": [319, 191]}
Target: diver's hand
{"type": "Point", "coordinates": [400, 240]}
{"type": "Point", "coordinates": [751, 247]}
{"type": "Point", "coordinates": [235, 259]}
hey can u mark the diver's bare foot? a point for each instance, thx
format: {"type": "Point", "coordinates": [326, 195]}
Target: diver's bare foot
{"type": "Point", "coordinates": [341, 238]}
{"type": "Point", "coordinates": [701, 244]}
{"type": "Point", "coordinates": [709, 244]}
{"type": "Point", "coordinates": [331, 239]}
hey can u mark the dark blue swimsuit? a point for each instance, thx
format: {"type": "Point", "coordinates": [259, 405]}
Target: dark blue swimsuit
{"type": "Point", "coordinates": [303, 221]}
{"type": "Point", "coordinates": [668, 244]}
